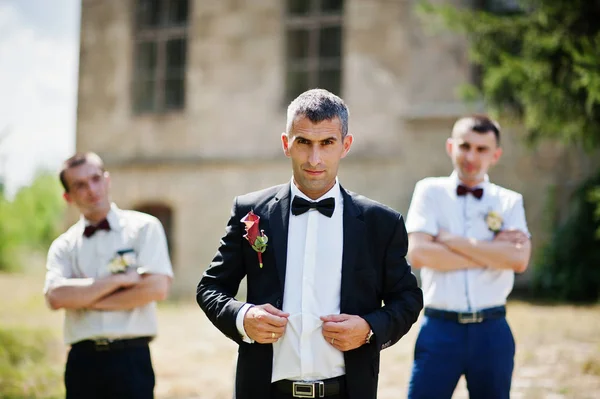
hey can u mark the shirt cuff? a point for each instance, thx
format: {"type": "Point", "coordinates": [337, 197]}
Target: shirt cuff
{"type": "Point", "coordinates": [239, 323]}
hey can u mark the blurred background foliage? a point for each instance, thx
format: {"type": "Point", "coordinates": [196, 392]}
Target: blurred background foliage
{"type": "Point", "coordinates": [30, 221]}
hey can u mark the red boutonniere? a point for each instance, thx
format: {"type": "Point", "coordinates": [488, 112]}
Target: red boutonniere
{"type": "Point", "coordinates": [257, 240]}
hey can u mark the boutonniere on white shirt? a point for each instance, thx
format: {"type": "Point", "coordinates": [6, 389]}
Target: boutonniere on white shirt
{"type": "Point", "coordinates": [258, 240]}
{"type": "Point", "coordinates": [122, 261]}
{"type": "Point", "coordinates": [494, 221]}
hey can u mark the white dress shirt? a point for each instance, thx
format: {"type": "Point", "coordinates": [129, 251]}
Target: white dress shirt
{"type": "Point", "coordinates": [312, 289]}
{"type": "Point", "coordinates": [142, 238]}
{"type": "Point", "coordinates": [434, 206]}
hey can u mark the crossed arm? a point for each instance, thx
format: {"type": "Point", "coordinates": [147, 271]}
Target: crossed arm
{"type": "Point", "coordinates": [115, 292]}
{"type": "Point", "coordinates": [510, 250]}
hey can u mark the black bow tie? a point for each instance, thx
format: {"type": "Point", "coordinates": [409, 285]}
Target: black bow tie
{"type": "Point", "coordinates": [92, 229]}
{"type": "Point", "coordinates": [464, 190]}
{"type": "Point", "coordinates": [325, 206]}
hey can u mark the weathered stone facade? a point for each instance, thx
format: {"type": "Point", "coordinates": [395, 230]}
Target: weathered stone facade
{"type": "Point", "coordinates": [398, 81]}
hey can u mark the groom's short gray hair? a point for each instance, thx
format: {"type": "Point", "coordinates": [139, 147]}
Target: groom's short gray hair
{"type": "Point", "coordinates": [318, 105]}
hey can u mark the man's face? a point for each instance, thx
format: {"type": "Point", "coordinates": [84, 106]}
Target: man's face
{"type": "Point", "coordinates": [315, 150]}
{"type": "Point", "coordinates": [88, 189]}
{"type": "Point", "coordinates": [473, 154]}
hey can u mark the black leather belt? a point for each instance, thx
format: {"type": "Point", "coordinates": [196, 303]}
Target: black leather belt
{"type": "Point", "coordinates": [312, 389]}
{"type": "Point", "coordinates": [105, 344]}
{"type": "Point", "coordinates": [467, 317]}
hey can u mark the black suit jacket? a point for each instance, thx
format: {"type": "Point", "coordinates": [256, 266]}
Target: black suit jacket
{"type": "Point", "coordinates": [374, 270]}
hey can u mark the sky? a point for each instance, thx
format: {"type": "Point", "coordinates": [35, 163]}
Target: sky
{"type": "Point", "coordinates": [39, 52]}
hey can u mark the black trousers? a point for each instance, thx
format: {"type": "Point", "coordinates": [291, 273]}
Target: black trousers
{"type": "Point", "coordinates": [124, 373]}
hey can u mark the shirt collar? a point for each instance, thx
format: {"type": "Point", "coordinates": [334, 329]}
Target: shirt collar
{"type": "Point", "coordinates": [334, 192]}
{"type": "Point", "coordinates": [113, 218]}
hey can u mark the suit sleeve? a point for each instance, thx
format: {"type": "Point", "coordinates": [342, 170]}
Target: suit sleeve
{"type": "Point", "coordinates": [402, 297]}
{"type": "Point", "coordinates": [220, 282]}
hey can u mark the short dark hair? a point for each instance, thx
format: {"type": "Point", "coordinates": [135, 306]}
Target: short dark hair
{"type": "Point", "coordinates": [78, 159]}
{"type": "Point", "coordinates": [478, 123]}
{"type": "Point", "coordinates": [318, 105]}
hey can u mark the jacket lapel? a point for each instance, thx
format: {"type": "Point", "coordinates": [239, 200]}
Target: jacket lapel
{"type": "Point", "coordinates": [354, 232]}
{"type": "Point", "coordinates": [279, 211]}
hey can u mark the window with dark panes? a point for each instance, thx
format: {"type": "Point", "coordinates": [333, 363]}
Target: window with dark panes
{"type": "Point", "coordinates": [160, 55]}
{"type": "Point", "coordinates": [313, 46]}
{"type": "Point", "coordinates": [501, 6]}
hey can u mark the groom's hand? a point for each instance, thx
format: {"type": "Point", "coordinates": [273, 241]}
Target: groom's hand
{"type": "Point", "coordinates": [345, 332]}
{"type": "Point", "coordinates": [265, 324]}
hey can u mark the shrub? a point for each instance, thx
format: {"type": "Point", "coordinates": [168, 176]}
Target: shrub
{"type": "Point", "coordinates": [569, 265]}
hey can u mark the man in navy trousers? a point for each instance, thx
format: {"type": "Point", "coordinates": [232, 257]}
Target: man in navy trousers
{"type": "Point", "coordinates": [469, 237]}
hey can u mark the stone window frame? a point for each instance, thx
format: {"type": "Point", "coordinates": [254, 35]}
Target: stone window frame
{"type": "Point", "coordinates": [158, 35]}
{"type": "Point", "coordinates": [313, 21]}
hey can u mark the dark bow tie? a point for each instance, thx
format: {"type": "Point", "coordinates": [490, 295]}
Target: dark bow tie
{"type": "Point", "coordinates": [325, 206]}
{"type": "Point", "coordinates": [92, 229]}
{"type": "Point", "coordinates": [464, 190]}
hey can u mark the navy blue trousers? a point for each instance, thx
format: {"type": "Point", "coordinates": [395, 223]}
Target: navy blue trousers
{"type": "Point", "coordinates": [446, 350]}
{"type": "Point", "coordinates": [116, 374]}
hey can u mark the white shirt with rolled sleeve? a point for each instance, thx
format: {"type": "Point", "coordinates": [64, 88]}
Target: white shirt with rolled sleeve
{"type": "Point", "coordinates": [434, 206]}
{"type": "Point", "coordinates": [72, 255]}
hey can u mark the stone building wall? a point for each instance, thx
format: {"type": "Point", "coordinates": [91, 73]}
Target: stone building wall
{"type": "Point", "coordinates": [398, 80]}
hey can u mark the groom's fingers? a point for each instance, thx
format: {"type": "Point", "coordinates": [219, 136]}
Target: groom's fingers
{"type": "Point", "coordinates": [334, 328]}
{"type": "Point", "coordinates": [274, 311]}
{"type": "Point", "coordinates": [346, 335]}
{"type": "Point", "coordinates": [262, 317]}
{"type": "Point", "coordinates": [264, 333]}
{"type": "Point", "coordinates": [262, 326]}
{"type": "Point", "coordinates": [339, 341]}
{"type": "Point", "coordinates": [335, 318]}
{"type": "Point", "coordinates": [273, 316]}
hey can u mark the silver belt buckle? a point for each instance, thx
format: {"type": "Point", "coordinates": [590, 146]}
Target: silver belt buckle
{"type": "Point", "coordinates": [102, 344]}
{"type": "Point", "coordinates": [302, 389]}
{"type": "Point", "coordinates": [467, 318]}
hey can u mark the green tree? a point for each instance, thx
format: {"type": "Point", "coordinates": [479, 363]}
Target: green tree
{"type": "Point", "coordinates": [540, 66]}
{"type": "Point", "coordinates": [567, 268]}
{"type": "Point", "coordinates": [31, 220]}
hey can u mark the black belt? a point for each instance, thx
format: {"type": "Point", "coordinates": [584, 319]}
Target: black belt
{"type": "Point", "coordinates": [105, 344]}
{"type": "Point", "coordinates": [312, 389]}
{"type": "Point", "coordinates": [467, 317]}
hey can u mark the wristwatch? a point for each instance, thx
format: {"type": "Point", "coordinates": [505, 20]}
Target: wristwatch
{"type": "Point", "coordinates": [369, 336]}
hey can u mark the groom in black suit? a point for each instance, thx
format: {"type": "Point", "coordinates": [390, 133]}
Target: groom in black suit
{"type": "Point", "coordinates": [328, 283]}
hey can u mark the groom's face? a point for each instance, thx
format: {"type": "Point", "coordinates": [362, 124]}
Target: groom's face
{"type": "Point", "coordinates": [315, 150]}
